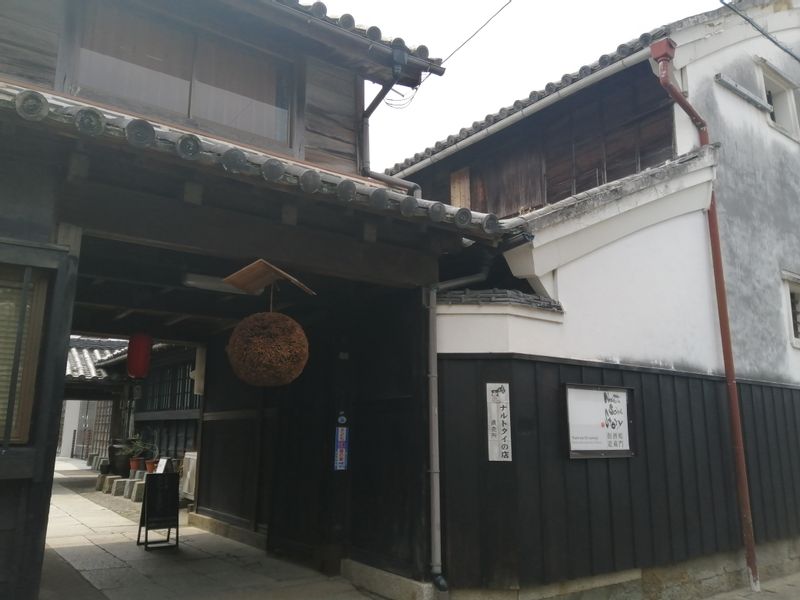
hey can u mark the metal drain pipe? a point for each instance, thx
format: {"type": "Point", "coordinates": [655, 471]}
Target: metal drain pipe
{"type": "Point", "coordinates": [433, 419]}
{"type": "Point", "coordinates": [663, 51]}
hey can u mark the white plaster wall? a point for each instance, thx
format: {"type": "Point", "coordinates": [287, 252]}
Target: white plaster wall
{"type": "Point", "coordinates": [758, 180]}
{"type": "Point", "coordinates": [646, 299]}
{"type": "Point", "coordinates": [72, 413]}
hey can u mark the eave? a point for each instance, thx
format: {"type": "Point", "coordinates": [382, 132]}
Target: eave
{"type": "Point", "coordinates": [68, 116]}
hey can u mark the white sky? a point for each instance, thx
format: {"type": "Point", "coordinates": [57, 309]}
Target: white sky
{"type": "Point", "coordinates": [527, 45]}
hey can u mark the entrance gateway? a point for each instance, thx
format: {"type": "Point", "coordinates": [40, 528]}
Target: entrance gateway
{"type": "Point", "coordinates": [122, 211]}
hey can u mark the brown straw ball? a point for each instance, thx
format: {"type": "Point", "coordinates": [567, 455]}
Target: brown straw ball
{"type": "Point", "coordinates": [268, 349]}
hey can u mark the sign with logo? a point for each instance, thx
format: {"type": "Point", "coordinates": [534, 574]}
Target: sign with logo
{"type": "Point", "coordinates": [599, 421]}
{"type": "Point", "coordinates": [498, 421]}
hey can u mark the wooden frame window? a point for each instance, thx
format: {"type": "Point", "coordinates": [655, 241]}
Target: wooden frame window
{"type": "Point", "coordinates": [22, 302]}
{"type": "Point", "coordinates": [783, 97]}
{"type": "Point", "coordinates": [151, 65]}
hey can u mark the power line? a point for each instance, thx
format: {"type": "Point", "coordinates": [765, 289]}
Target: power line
{"type": "Point", "coordinates": [404, 101]}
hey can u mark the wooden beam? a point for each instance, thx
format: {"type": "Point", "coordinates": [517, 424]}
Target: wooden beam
{"type": "Point", "coordinates": [115, 213]}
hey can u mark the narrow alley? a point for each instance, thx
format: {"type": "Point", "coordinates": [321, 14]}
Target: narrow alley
{"type": "Point", "coordinates": [92, 554]}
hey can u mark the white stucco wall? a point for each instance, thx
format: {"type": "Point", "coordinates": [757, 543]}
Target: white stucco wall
{"type": "Point", "coordinates": [646, 299]}
{"type": "Point", "coordinates": [72, 409]}
{"type": "Point", "coordinates": [758, 178]}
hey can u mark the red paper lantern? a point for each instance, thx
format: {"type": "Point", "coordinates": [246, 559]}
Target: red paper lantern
{"type": "Point", "coordinates": [139, 347]}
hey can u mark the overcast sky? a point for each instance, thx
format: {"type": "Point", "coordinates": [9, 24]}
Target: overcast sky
{"type": "Point", "coordinates": [527, 45]}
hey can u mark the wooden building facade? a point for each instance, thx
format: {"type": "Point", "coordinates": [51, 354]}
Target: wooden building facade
{"type": "Point", "coordinates": [147, 147]}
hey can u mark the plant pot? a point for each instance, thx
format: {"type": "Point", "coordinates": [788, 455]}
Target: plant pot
{"type": "Point", "coordinates": [150, 465]}
{"type": "Point", "coordinates": [136, 463]}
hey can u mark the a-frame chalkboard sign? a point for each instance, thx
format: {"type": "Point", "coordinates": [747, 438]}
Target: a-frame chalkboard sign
{"type": "Point", "coordinates": [159, 509]}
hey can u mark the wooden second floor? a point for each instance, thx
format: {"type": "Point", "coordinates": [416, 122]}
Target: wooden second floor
{"type": "Point", "coordinates": [610, 130]}
{"type": "Point", "coordinates": [271, 75]}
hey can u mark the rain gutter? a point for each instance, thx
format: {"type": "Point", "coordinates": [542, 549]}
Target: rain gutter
{"type": "Point", "coordinates": [663, 51]}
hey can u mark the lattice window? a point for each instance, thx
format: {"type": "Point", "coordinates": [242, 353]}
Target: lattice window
{"type": "Point", "coordinates": [169, 388]}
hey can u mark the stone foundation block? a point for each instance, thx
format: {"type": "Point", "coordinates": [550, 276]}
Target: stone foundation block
{"type": "Point", "coordinates": [138, 491]}
{"type": "Point", "coordinates": [129, 488]}
{"type": "Point", "coordinates": [118, 487]}
{"type": "Point", "coordinates": [109, 481]}
{"type": "Point", "coordinates": [101, 479]}
{"type": "Point", "coordinates": [139, 475]}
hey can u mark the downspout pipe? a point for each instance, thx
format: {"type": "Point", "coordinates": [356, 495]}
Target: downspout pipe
{"type": "Point", "coordinates": [366, 170]}
{"type": "Point", "coordinates": [663, 51]}
{"type": "Point", "coordinates": [433, 419]}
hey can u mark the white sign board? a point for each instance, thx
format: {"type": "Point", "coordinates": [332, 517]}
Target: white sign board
{"type": "Point", "coordinates": [598, 422]}
{"type": "Point", "coordinates": [498, 420]}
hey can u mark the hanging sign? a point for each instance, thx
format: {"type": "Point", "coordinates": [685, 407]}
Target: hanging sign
{"type": "Point", "coordinates": [599, 420]}
{"type": "Point", "coordinates": [340, 449]}
{"type": "Point", "coordinates": [498, 421]}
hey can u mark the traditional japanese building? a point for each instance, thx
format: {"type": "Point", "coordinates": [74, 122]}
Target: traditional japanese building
{"type": "Point", "coordinates": [148, 151]}
{"type": "Point", "coordinates": [658, 287]}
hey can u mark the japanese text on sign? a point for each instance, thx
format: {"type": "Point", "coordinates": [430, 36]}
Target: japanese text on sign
{"type": "Point", "coordinates": [498, 417]}
{"type": "Point", "coordinates": [598, 420]}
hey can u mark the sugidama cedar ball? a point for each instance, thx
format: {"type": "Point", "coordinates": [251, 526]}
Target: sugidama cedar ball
{"type": "Point", "coordinates": [268, 349]}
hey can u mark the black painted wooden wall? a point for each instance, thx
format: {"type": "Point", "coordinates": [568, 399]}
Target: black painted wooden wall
{"type": "Point", "coordinates": [543, 517]}
{"type": "Point", "coordinates": [771, 422]}
{"type": "Point", "coordinates": [266, 455]}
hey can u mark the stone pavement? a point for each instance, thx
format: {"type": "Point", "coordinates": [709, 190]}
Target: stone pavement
{"type": "Point", "coordinates": [781, 588]}
{"type": "Point", "coordinates": [100, 545]}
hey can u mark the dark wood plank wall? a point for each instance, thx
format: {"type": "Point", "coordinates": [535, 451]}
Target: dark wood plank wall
{"type": "Point", "coordinates": [331, 116]}
{"type": "Point", "coordinates": [266, 456]}
{"type": "Point", "coordinates": [546, 518]}
{"type": "Point", "coordinates": [771, 421]}
{"type": "Point", "coordinates": [389, 511]}
{"type": "Point", "coordinates": [616, 128]}
{"type": "Point", "coordinates": [30, 31]}
{"type": "Point", "coordinates": [29, 37]}
{"type": "Point", "coordinates": [173, 437]}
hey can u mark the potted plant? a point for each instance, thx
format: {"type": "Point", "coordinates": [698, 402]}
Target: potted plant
{"type": "Point", "coordinates": [134, 448]}
{"type": "Point", "coordinates": [150, 463]}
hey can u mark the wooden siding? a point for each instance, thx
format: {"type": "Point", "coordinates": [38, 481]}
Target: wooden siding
{"type": "Point", "coordinates": [771, 421]}
{"type": "Point", "coordinates": [266, 455]}
{"type": "Point", "coordinates": [173, 437]}
{"type": "Point", "coordinates": [331, 116]}
{"type": "Point", "coordinates": [29, 37]}
{"type": "Point", "coordinates": [615, 129]}
{"type": "Point", "coordinates": [545, 518]}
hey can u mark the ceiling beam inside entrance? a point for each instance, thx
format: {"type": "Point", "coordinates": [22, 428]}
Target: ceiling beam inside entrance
{"type": "Point", "coordinates": [115, 213]}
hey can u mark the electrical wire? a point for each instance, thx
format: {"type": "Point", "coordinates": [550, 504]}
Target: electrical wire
{"type": "Point", "coordinates": [405, 101]}
{"type": "Point", "coordinates": [761, 30]}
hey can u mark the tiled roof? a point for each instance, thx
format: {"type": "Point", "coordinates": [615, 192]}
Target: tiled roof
{"type": "Point", "coordinates": [623, 51]}
{"type": "Point", "coordinates": [348, 23]}
{"type": "Point", "coordinates": [498, 296]}
{"type": "Point", "coordinates": [84, 354]}
{"type": "Point", "coordinates": [69, 116]}
{"type": "Point", "coordinates": [121, 354]}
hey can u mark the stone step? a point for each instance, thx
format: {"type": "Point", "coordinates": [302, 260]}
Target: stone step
{"type": "Point", "coordinates": [108, 482]}
{"type": "Point", "coordinates": [118, 487]}
{"type": "Point", "coordinates": [138, 491]}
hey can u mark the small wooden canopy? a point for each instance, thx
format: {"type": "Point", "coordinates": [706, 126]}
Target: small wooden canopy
{"type": "Point", "coordinates": [259, 274]}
